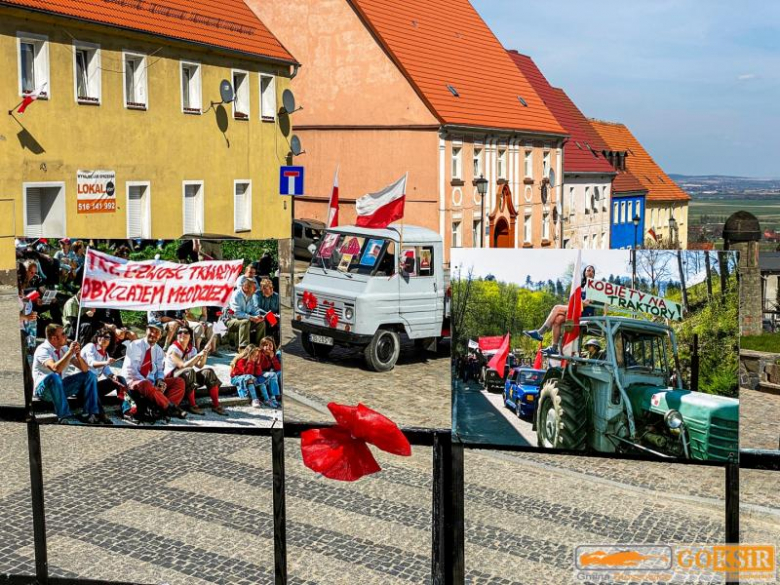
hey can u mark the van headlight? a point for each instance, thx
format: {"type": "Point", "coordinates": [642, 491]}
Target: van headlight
{"type": "Point", "coordinates": [299, 304]}
{"type": "Point", "coordinates": [349, 313]}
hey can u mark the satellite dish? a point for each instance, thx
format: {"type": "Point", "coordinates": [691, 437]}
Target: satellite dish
{"type": "Point", "coordinates": [288, 101]}
{"type": "Point", "coordinates": [544, 193]}
{"type": "Point", "coordinates": [226, 91]}
{"type": "Point", "coordinates": [295, 145]}
{"type": "Point", "coordinates": [552, 179]}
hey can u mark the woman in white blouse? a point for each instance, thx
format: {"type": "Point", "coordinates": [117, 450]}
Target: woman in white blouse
{"type": "Point", "coordinates": [96, 355]}
{"type": "Point", "coordinates": [182, 360]}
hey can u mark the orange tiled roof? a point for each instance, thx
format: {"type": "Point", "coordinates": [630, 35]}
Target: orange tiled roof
{"type": "Point", "coordinates": [658, 184]}
{"type": "Point", "coordinates": [228, 24]}
{"type": "Point", "coordinates": [437, 43]}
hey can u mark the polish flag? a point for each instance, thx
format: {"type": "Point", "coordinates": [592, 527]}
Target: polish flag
{"type": "Point", "coordinates": [498, 361]}
{"type": "Point", "coordinates": [573, 312]}
{"type": "Point", "coordinates": [380, 209]}
{"type": "Point", "coordinates": [30, 98]}
{"type": "Point", "coordinates": [333, 206]}
{"type": "Point", "coordinates": [652, 234]}
{"type": "Point", "coordinates": [538, 361]}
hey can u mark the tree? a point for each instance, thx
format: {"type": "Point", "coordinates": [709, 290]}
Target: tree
{"type": "Point", "coordinates": [654, 264]}
{"type": "Point", "coordinates": [682, 281]}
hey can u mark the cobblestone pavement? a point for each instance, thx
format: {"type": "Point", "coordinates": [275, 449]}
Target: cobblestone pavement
{"type": "Point", "coordinates": [189, 508]}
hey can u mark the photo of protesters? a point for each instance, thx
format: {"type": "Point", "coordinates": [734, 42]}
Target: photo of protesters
{"type": "Point", "coordinates": [616, 366]}
{"type": "Point", "coordinates": [151, 332]}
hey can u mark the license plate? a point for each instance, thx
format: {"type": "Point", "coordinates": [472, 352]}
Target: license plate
{"type": "Point", "coordinates": [321, 339]}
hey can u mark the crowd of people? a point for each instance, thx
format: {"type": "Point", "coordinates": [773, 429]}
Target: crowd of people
{"type": "Point", "coordinates": [163, 366]}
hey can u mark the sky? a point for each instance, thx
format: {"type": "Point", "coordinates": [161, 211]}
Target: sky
{"type": "Point", "coordinates": [514, 266]}
{"type": "Point", "coordinates": [696, 81]}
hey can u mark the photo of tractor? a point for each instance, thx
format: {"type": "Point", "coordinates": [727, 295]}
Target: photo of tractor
{"type": "Point", "coordinates": [629, 397]}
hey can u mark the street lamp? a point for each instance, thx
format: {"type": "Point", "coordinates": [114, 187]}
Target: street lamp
{"type": "Point", "coordinates": [673, 230]}
{"type": "Point", "coordinates": [482, 184]}
{"type": "Point", "coordinates": [635, 221]}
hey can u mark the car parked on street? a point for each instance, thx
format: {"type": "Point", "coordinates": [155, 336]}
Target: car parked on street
{"type": "Point", "coordinates": [521, 391]}
{"type": "Point", "coordinates": [306, 236]}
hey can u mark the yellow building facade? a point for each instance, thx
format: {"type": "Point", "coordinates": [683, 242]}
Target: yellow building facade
{"type": "Point", "coordinates": [144, 111]}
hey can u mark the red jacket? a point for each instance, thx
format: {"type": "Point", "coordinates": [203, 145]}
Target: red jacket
{"type": "Point", "coordinates": [265, 364]}
{"type": "Point", "coordinates": [243, 366]}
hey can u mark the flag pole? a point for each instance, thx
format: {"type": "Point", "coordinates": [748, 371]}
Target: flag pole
{"type": "Point", "coordinates": [83, 276]}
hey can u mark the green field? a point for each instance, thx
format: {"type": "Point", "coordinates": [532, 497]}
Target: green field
{"type": "Point", "coordinates": [767, 212]}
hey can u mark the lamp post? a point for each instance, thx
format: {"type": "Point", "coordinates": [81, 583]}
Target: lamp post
{"type": "Point", "coordinates": [673, 232]}
{"type": "Point", "coordinates": [635, 221]}
{"type": "Point", "coordinates": [482, 184]}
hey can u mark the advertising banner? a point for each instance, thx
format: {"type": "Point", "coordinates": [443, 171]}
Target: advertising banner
{"type": "Point", "coordinates": [96, 191]}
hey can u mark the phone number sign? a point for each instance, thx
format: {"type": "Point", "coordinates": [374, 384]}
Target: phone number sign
{"type": "Point", "coordinates": [96, 191]}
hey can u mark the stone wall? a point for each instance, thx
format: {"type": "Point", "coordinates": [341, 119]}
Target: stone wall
{"type": "Point", "coordinates": [759, 370]}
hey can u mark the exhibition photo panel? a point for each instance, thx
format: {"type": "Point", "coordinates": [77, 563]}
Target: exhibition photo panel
{"type": "Point", "coordinates": [151, 332]}
{"type": "Point", "coordinates": [597, 351]}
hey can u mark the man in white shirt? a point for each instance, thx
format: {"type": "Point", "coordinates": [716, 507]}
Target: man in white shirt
{"type": "Point", "coordinates": [50, 361]}
{"type": "Point", "coordinates": [143, 370]}
{"type": "Point", "coordinates": [246, 318]}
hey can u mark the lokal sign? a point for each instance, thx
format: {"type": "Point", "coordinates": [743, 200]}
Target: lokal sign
{"type": "Point", "coordinates": [96, 191]}
{"type": "Point", "coordinates": [631, 299]}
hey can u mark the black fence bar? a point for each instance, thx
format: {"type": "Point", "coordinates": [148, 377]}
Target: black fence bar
{"type": "Point", "coordinates": [38, 508]}
{"type": "Point", "coordinates": [457, 573]}
{"type": "Point", "coordinates": [732, 512]}
{"type": "Point", "coordinates": [30, 580]}
{"type": "Point", "coordinates": [280, 514]}
{"type": "Point", "coordinates": [440, 548]}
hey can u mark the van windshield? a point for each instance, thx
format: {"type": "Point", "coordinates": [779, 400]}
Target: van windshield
{"type": "Point", "coordinates": [355, 254]}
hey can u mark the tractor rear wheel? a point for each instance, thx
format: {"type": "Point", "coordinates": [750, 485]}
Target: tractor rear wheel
{"type": "Point", "coordinates": [561, 416]}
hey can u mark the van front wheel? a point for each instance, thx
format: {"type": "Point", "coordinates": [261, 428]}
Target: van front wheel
{"type": "Point", "coordinates": [383, 351]}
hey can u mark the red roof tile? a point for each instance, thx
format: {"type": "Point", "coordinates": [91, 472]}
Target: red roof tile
{"type": "Point", "coordinates": [440, 43]}
{"type": "Point", "coordinates": [228, 24]}
{"type": "Point", "coordinates": [577, 156]}
{"type": "Point", "coordinates": [658, 184]}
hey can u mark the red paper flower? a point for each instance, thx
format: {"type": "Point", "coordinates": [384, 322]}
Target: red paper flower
{"type": "Point", "coordinates": [342, 453]}
{"type": "Point", "coordinates": [309, 301]}
{"type": "Point", "coordinates": [331, 317]}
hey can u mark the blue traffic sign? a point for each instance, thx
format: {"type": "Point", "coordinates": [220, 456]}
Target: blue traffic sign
{"type": "Point", "coordinates": [290, 180]}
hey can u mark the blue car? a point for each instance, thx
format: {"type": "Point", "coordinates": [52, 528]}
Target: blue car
{"type": "Point", "coordinates": [521, 391]}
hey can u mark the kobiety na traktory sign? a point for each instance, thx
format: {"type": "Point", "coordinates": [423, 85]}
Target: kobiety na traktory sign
{"type": "Point", "coordinates": [631, 299]}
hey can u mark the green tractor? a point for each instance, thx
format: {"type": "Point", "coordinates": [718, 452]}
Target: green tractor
{"type": "Point", "coordinates": [627, 396]}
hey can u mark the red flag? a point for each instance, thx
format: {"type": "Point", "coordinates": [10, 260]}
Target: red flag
{"type": "Point", "coordinates": [538, 360]}
{"type": "Point", "coordinates": [380, 209]}
{"type": "Point", "coordinates": [342, 452]}
{"type": "Point", "coordinates": [574, 310]}
{"type": "Point", "coordinates": [652, 234]}
{"type": "Point", "coordinates": [333, 206]}
{"type": "Point", "coordinates": [490, 343]}
{"type": "Point", "coordinates": [30, 98]}
{"type": "Point", "coordinates": [271, 318]}
{"type": "Point", "coordinates": [498, 361]}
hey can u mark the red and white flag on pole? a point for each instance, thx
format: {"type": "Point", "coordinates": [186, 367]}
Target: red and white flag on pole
{"type": "Point", "coordinates": [333, 206]}
{"type": "Point", "coordinates": [498, 361]}
{"type": "Point", "coordinates": [573, 312]}
{"type": "Point", "coordinates": [380, 209]}
{"type": "Point", "coordinates": [30, 98]}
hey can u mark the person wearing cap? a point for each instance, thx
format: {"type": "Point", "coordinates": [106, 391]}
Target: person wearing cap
{"type": "Point", "coordinates": [67, 259]}
{"type": "Point", "coordinates": [144, 371]}
{"type": "Point", "coordinates": [50, 362]}
{"type": "Point", "coordinates": [593, 350]}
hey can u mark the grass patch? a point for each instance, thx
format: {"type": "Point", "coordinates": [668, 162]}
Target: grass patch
{"type": "Point", "coordinates": [769, 342]}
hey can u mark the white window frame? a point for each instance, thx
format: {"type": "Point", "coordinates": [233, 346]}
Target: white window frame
{"type": "Point", "coordinates": [546, 164]}
{"type": "Point", "coordinates": [148, 186]}
{"type": "Point", "coordinates": [40, 62]}
{"type": "Point", "coordinates": [528, 229]}
{"type": "Point", "coordinates": [546, 226]}
{"type": "Point", "coordinates": [271, 93]}
{"type": "Point", "coordinates": [587, 200]}
{"type": "Point", "coordinates": [140, 77]}
{"type": "Point", "coordinates": [243, 112]}
{"type": "Point", "coordinates": [615, 212]}
{"type": "Point", "coordinates": [46, 185]}
{"type": "Point", "coordinates": [478, 158]}
{"type": "Point", "coordinates": [184, 185]}
{"type": "Point", "coordinates": [476, 234]}
{"type": "Point", "coordinates": [528, 193]}
{"type": "Point", "coordinates": [247, 227]}
{"type": "Point", "coordinates": [622, 212]}
{"type": "Point", "coordinates": [528, 163]}
{"type": "Point", "coordinates": [93, 72]}
{"type": "Point", "coordinates": [196, 103]}
{"type": "Point", "coordinates": [630, 211]}
{"type": "Point", "coordinates": [572, 202]}
{"type": "Point", "coordinates": [457, 233]}
{"type": "Point", "coordinates": [501, 162]}
{"type": "Point", "coordinates": [457, 161]}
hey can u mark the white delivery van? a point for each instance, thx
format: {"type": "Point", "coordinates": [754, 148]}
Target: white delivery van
{"type": "Point", "coordinates": [367, 287]}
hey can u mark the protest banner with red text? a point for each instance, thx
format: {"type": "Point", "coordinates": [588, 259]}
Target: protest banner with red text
{"type": "Point", "coordinates": [156, 284]}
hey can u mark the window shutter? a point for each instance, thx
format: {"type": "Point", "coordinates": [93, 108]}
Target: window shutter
{"type": "Point", "coordinates": [34, 225]}
{"type": "Point", "coordinates": [190, 209]}
{"type": "Point", "coordinates": [135, 212]}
